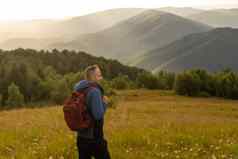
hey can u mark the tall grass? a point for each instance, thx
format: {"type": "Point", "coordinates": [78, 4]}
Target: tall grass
{"type": "Point", "coordinates": [144, 125]}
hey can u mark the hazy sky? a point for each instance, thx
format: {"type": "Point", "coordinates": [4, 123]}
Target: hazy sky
{"type": "Point", "coordinates": [49, 9]}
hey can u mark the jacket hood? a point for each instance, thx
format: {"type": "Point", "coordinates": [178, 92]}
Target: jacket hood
{"type": "Point", "coordinates": [83, 84]}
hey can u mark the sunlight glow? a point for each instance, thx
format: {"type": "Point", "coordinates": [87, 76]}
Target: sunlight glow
{"type": "Point", "coordinates": [52, 9]}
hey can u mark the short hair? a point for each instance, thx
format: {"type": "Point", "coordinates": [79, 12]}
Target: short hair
{"type": "Point", "coordinates": [89, 71]}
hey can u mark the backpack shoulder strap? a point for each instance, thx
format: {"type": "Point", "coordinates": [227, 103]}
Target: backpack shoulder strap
{"type": "Point", "coordinates": [91, 86]}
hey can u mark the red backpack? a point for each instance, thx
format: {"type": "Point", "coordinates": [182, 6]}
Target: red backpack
{"type": "Point", "coordinates": [75, 111]}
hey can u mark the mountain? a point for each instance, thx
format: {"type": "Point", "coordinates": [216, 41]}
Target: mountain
{"type": "Point", "coordinates": [33, 43]}
{"type": "Point", "coordinates": [218, 18]}
{"type": "Point", "coordinates": [66, 28]}
{"type": "Point", "coordinates": [181, 11]}
{"type": "Point", "coordinates": [213, 50]}
{"type": "Point", "coordinates": [146, 31]}
{"type": "Point", "coordinates": [96, 22]}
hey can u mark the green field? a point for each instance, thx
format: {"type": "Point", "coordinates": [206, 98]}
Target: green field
{"type": "Point", "coordinates": [144, 125]}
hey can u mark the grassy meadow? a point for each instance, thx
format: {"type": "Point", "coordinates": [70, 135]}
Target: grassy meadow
{"type": "Point", "coordinates": [144, 125]}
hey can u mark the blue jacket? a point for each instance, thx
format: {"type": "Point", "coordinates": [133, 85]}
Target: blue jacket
{"type": "Point", "coordinates": [96, 106]}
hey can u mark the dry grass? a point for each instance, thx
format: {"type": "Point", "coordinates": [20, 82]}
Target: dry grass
{"type": "Point", "coordinates": [144, 125]}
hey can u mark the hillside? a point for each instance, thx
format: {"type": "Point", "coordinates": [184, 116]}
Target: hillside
{"type": "Point", "coordinates": [181, 11]}
{"type": "Point", "coordinates": [97, 21]}
{"type": "Point", "coordinates": [213, 50]}
{"type": "Point", "coordinates": [218, 18]}
{"type": "Point", "coordinates": [33, 43]}
{"type": "Point", "coordinates": [144, 125]}
{"type": "Point", "coordinates": [146, 31]}
{"type": "Point", "coordinates": [65, 29]}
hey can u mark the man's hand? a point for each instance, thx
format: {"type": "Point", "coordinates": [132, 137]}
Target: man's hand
{"type": "Point", "coordinates": [106, 99]}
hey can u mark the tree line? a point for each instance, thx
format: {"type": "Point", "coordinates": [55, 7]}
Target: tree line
{"type": "Point", "coordinates": [195, 82]}
{"type": "Point", "coordinates": [34, 77]}
{"type": "Point", "coordinates": [29, 76]}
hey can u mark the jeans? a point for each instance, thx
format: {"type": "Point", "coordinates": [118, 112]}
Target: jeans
{"type": "Point", "coordinates": [88, 148]}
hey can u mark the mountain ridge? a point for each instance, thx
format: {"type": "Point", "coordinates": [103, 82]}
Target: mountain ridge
{"type": "Point", "coordinates": [206, 50]}
{"type": "Point", "coordinates": [147, 30]}
{"type": "Point", "coordinates": [218, 17]}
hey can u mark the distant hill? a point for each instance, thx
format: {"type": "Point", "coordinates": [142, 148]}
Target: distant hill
{"type": "Point", "coordinates": [213, 50]}
{"type": "Point", "coordinates": [97, 21]}
{"type": "Point", "coordinates": [146, 31]}
{"type": "Point", "coordinates": [67, 28]}
{"type": "Point", "coordinates": [27, 29]}
{"type": "Point", "coordinates": [218, 18]}
{"type": "Point", "coordinates": [181, 11]}
{"type": "Point", "coordinates": [34, 43]}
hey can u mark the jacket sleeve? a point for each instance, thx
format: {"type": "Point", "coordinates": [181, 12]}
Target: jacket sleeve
{"type": "Point", "coordinates": [104, 106]}
{"type": "Point", "coordinates": [95, 103]}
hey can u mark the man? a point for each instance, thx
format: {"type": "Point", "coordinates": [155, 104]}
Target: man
{"type": "Point", "coordinates": [90, 141]}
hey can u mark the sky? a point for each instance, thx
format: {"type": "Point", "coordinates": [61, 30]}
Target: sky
{"type": "Point", "coordinates": [59, 9]}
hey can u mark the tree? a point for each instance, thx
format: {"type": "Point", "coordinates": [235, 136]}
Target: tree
{"type": "Point", "coordinates": [147, 80]}
{"type": "Point", "coordinates": [226, 84]}
{"type": "Point", "coordinates": [60, 92]}
{"type": "Point", "coordinates": [50, 73]}
{"type": "Point", "coordinates": [188, 83]}
{"type": "Point", "coordinates": [72, 78]}
{"type": "Point", "coordinates": [166, 79]}
{"type": "Point", "coordinates": [121, 82]}
{"type": "Point", "coordinates": [15, 98]}
{"type": "Point", "coordinates": [1, 100]}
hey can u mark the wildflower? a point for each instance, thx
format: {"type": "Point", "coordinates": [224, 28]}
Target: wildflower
{"type": "Point", "coordinates": [50, 157]}
{"type": "Point", "coordinates": [214, 157]}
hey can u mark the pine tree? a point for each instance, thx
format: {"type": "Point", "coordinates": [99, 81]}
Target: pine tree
{"type": "Point", "coordinates": [15, 98]}
{"type": "Point", "coordinates": [60, 92]}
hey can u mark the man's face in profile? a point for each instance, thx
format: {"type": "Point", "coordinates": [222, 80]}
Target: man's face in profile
{"type": "Point", "coordinates": [98, 74]}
